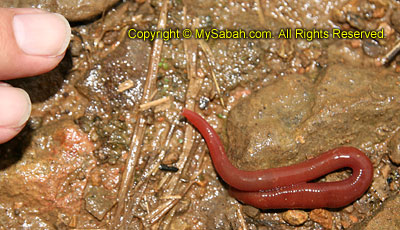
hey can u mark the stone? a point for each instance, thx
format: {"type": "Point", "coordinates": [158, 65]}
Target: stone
{"type": "Point", "coordinates": [322, 217]}
{"type": "Point", "coordinates": [295, 217]}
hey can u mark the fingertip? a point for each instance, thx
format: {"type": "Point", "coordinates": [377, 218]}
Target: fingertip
{"type": "Point", "coordinates": [41, 34]}
{"type": "Point", "coordinates": [15, 107]}
{"type": "Point", "coordinates": [32, 41]}
{"type": "Point", "coordinates": [7, 134]}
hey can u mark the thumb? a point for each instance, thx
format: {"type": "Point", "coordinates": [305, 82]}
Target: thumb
{"type": "Point", "coordinates": [32, 41]}
{"type": "Point", "coordinates": [15, 108]}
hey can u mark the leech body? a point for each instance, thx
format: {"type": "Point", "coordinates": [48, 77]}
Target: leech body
{"type": "Point", "coordinates": [287, 187]}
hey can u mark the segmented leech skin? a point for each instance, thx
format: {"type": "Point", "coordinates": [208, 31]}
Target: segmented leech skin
{"type": "Point", "coordinates": [288, 187]}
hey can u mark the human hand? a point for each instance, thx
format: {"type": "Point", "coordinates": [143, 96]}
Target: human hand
{"type": "Point", "coordinates": [32, 42]}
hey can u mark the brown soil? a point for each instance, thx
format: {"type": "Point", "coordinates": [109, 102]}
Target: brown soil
{"type": "Point", "coordinates": [95, 153]}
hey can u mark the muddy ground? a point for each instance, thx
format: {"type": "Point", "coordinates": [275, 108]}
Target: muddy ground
{"type": "Point", "coordinates": [106, 147]}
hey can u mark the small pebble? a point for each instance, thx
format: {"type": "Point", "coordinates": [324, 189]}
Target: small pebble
{"type": "Point", "coordinates": [372, 48]}
{"type": "Point", "coordinates": [353, 219]}
{"type": "Point", "coordinates": [183, 206]}
{"type": "Point", "coordinates": [295, 217]}
{"type": "Point", "coordinates": [379, 12]}
{"type": "Point", "coordinates": [356, 43]}
{"type": "Point", "coordinates": [203, 103]}
{"type": "Point", "coordinates": [387, 29]}
{"type": "Point", "coordinates": [171, 158]}
{"type": "Point", "coordinates": [322, 217]}
{"type": "Point", "coordinates": [386, 171]}
{"type": "Point", "coordinates": [395, 19]}
{"type": "Point", "coordinates": [345, 223]}
{"type": "Point", "coordinates": [355, 21]}
{"type": "Point", "coordinates": [338, 15]}
{"type": "Point", "coordinates": [250, 211]}
{"type": "Point", "coordinates": [349, 209]}
{"type": "Point", "coordinates": [394, 149]}
{"type": "Point", "coordinates": [380, 187]}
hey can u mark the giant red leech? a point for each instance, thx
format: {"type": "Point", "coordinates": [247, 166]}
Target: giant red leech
{"type": "Point", "coordinates": [289, 187]}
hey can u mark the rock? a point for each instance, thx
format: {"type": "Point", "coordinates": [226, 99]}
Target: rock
{"type": "Point", "coordinates": [295, 217]}
{"type": "Point", "coordinates": [345, 224]}
{"type": "Point", "coordinates": [51, 182]}
{"type": "Point", "coordinates": [263, 135]}
{"type": "Point", "coordinates": [128, 61]}
{"type": "Point", "coordinates": [395, 19]}
{"type": "Point", "coordinates": [356, 21]}
{"type": "Point", "coordinates": [73, 10]}
{"type": "Point", "coordinates": [394, 147]}
{"type": "Point", "coordinates": [251, 211]}
{"type": "Point", "coordinates": [170, 158]}
{"type": "Point", "coordinates": [98, 201]}
{"type": "Point", "coordinates": [380, 188]}
{"type": "Point", "coordinates": [340, 105]}
{"type": "Point", "coordinates": [386, 171]}
{"type": "Point", "coordinates": [322, 217]}
{"type": "Point", "coordinates": [372, 48]}
{"type": "Point", "coordinates": [179, 223]}
{"type": "Point", "coordinates": [338, 15]}
{"type": "Point", "coordinates": [183, 206]}
{"type": "Point", "coordinates": [387, 218]}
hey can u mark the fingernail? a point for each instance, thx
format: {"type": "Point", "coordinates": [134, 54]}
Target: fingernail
{"type": "Point", "coordinates": [42, 34]}
{"type": "Point", "coordinates": [4, 84]}
{"type": "Point", "coordinates": [15, 107]}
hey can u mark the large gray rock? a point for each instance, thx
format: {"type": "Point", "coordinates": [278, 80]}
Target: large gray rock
{"type": "Point", "coordinates": [297, 117]}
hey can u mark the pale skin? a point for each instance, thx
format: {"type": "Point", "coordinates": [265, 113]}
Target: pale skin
{"type": "Point", "coordinates": [32, 42]}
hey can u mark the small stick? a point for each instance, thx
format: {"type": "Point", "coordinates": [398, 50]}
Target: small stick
{"type": "Point", "coordinates": [211, 63]}
{"type": "Point", "coordinates": [125, 86]}
{"type": "Point", "coordinates": [391, 54]}
{"type": "Point", "coordinates": [154, 103]}
{"type": "Point", "coordinates": [147, 204]}
{"type": "Point", "coordinates": [174, 197]}
{"type": "Point", "coordinates": [241, 218]}
{"type": "Point", "coordinates": [260, 13]}
{"type": "Point", "coordinates": [138, 133]}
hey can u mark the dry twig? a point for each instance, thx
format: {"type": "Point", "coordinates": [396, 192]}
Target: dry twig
{"type": "Point", "coordinates": [211, 63]}
{"type": "Point", "coordinates": [391, 54]}
{"type": "Point", "coordinates": [260, 13]}
{"type": "Point", "coordinates": [241, 218]}
{"type": "Point", "coordinates": [175, 188]}
{"type": "Point", "coordinates": [138, 134]}
{"type": "Point", "coordinates": [148, 105]}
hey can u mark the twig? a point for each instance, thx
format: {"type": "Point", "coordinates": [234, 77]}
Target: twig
{"type": "Point", "coordinates": [191, 94]}
{"type": "Point", "coordinates": [175, 186]}
{"type": "Point", "coordinates": [139, 189]}
{"type": "Point", "coordinates": [161, 211]}
{"type": "Point", "coordinates": [260, 13]}
{"type": "Point", "coordinates": [241, 218]}
{"type": "Point", "coordinates": [171, 197]}
{"type": "Point", "coordinates": [138, 134]}
{"type": "Point", "coordinates": [154, 103]}
{"type": "Point", "coordinates": [211, 63]}
{"type": "Point", "coordinates": [158, 213]}
{"type": "Point", "coordinates": [391, 54]}
{"type": "Point", "coordinates": [125, 86]}
{"type": "Point", "coordinates": [192, 91]}
{"type": "Point", "coordinates": [147, 204]}
{"type": "Point", "coordinates": [196, 173]}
